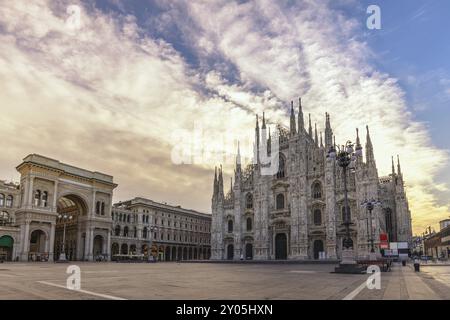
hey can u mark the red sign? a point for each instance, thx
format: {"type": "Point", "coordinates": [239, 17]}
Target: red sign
{"type": "Point", "coordinates": [383, 237]}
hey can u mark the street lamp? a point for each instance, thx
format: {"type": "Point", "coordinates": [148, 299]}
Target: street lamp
{"type": "Point", "coordinates": [64, 218]}
{"type": "Point", "coordinates": [370, 205]}
{"type": "Point", "coordinates": [345, 157]}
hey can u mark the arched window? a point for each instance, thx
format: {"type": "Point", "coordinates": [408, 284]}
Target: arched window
{"type": "Point", "coordinates": [2, 199]}
{"type": "Point", "coordinates": [44, 198]}
{"type": "Point", "coordinates": [281, 167]}
{"type": "Point", "coordinates": [135, 232]}
{"type": "Point", "coordinates": [103, 209]}
{"type": "Point", "coordinates": [316, 191]}
{"type": "Point", "coordinates": [117, 230]}
{"type": "Point", "coordinates": [249, 201]}
{"type": "Point", "coordinates": [230, 226]}
{"type": "Point", "coordinates": [249, 224]}
{"type": "Point", "coordinates": [144, 233]}
{"type": "Point", "coordinates": [125, 232]}
{"type": "Point", "coordinates": [37, 197]}
{"type": "Point", "coordinates": [97, 207]}
{"type": "Point", "coordinates": [128, 218]}
{"type": "Point", "coordinates": [317, 217]}
{"type": "Point", "coordinates": [280, 201]}
{"type": "Point", "coordinates": [348, 213]}
{"type": "Point", "coordinates": [9, 201]}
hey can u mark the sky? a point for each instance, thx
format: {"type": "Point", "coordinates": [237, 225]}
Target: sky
{"type": "Point", "coordinates": [136, 88]}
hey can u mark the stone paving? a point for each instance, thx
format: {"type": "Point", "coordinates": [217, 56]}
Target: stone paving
{"type": "Point", "coordinates": [170, 280]}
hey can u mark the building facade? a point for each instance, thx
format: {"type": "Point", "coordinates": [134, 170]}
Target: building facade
{"type": "Point", "coordinates": [297, 212]}
{"type": "Point", "coordinates": [32, 219]}
{"type": "Point", "coordinates": [175, 233]}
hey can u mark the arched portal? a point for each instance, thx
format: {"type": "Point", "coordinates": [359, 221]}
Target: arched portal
{"type": "Point", "coordinates": [230, 252]}
{"type": "Point", "coordinates": [248, 251]}
{"type": "Point", "coordinates": [174, 254]}
{"type": "Point", "coordinates": [38, 240]}
{"type": "Point", "coordinates": [98, 245]}
{"type": "Point", "coordinates": [124, 248]}
{"type": "Point", "coordinates": [6, 248]}
{"type": "Point", "coordinates": [167, 255]}
{"type": "Point", "coordinates": [184, 253]}
{"type": "Point", "coordinates": [133, 249]}
{"type": "Point", "coordinates": [318, 247]}
{"type": "Point", "coordinates": [114, 250]}
{"type": "Point", "coordinates": [70, 208]}
{"type": "Point", "coordinates": [281, 246]}
{"type": "Point", "coordinates": [190, 253]}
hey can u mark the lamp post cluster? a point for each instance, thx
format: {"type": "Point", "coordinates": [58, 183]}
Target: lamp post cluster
{"type": "Point", "coordinates": [345, 157]}
{"type": "Point", "coordinates": [370, 205]}
{"type": "Point", "coordinates": [64, 218]}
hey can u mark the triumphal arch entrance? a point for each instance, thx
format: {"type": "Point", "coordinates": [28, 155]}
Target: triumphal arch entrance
{"type": "Point", "coordinates": [64, 209]}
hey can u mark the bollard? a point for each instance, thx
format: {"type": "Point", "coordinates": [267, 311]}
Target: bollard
{"type": "Point", "coordinates": [416, 267]}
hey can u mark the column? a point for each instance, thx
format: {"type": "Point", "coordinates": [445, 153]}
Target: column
{"type": "Point", "coordinates": [55, 194]}
{"type": "Point", "coordinates": [30, 193]}
{"type": "Point", "coordinates": [26, 241]}
{"type": "Point", "coordinates": [108, 246]}
{"type": "Point", "coordinates": [87, 240]}
{"type": "Point", "coordinates": [52, 242]}
{"type": "Point", "coordinates": [91, 244]}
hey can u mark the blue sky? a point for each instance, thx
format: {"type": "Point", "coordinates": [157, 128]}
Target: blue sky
{"type": "Point", "coordinates": [139, 75]}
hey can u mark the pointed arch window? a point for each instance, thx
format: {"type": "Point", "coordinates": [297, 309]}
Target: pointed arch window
{"type": "Point", "coordinates": [281, 166]}
{"type": "Point", "coordinates": [144, 233]}
{"type": "Point", "coordinates": [117, 230]}
{"type": "Point", "coordinates": [102, 209]}
{"type": "Point", "coordinates": [2, 199]}
{"type": "Point", "coordinates": [317, 191]}
{"type": "Point", "coordinates": [125, 232]}
{"type": "Point", "coordinates": [97, 207]}
{"type": "Point", "coordinates": [249, 201]}
{"type": "Point", "coordinates": [317, 217]}
{"type": "Point", "coordinates": [230, 226]}
{"type": "Point", "coordinates": [349, 214]}
{"type": "Point", "coordinates": [280, 201]}
{"type": "Point", "coordinates": [249, 224]}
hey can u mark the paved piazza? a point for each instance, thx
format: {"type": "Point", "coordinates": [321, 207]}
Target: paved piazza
{"type": "Point", "coordinates": [170, 280]}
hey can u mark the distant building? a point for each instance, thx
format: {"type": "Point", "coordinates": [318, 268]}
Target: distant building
{"type": "Point", "coordinates": [32, 218]}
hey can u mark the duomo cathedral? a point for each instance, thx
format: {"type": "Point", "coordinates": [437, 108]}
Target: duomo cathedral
{"type": "Point", "coordinates": [297, 212]}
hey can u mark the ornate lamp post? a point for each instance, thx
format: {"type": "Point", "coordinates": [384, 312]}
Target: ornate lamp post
{"type": "Point", "coordinates": [370, 205]}
{"type": "Point", "coordinates": [64, 218]}
{"type": "Point", "coordinates": [345, 157]}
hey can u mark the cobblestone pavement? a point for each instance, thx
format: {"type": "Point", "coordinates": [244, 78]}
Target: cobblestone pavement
{"type": "Point", "coordinates": [169, 280]}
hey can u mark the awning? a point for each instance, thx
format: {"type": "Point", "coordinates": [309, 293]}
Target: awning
{"type": "Point", "coordinates": [6, 241]}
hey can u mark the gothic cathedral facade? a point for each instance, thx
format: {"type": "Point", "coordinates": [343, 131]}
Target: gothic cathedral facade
{"type": "Point", "coordinates": [297, 213]}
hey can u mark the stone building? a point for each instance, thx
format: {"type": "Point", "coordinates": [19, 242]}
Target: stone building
{"type": "Point", "coordinates": [174, 232]}
{"type": "Point", "coordinates": [297, 212]}
{"type": "Point", "coordinates": [32, 223]}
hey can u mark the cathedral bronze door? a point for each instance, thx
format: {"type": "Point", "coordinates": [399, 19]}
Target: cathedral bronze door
{"type": "Point", "coordinates": [248, 251]}
{"type": "Point", "coordinates": [281, 246]}
{"type": "Point", "coordinates": [318, 247]}
{"type": "Point", "coordinates": [230, 252]}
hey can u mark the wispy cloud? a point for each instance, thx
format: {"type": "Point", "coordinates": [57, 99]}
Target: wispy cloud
{"type": "Point", "coordinates": [110, 96]}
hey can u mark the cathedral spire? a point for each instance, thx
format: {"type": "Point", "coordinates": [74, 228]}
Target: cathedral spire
{"type": "Point", "coordinates": [316, 139]}
{"type": "Point", "coordinates": [393, 167]}
{"type": "Point", "coordinates": [263, 122]}
{"type": "Point", "coordinates": [310, 126]}
{"type": "Point", "coordinates": [358, 141]}
{"type": "Point", "coordinates": [301, 122]}
{"type": "Point", "coordinates": [256, 144]}
{"type": "Point", "coordinates": [399, 169]}
{"type": "Point", "coordinates": [369, 148]}
{"type": "Point", "coordinates": [293, 127]}
{"type": "Point", "coordinates": [220, 183]}
{"type": "Point", "coordinates": [216, 183]}
{"type": "Point", "coordinates": [321, 141]}
{"type": "Point", "coordinates": [238, 157]}
{"type": "Point", "coordinates": [328, 132]}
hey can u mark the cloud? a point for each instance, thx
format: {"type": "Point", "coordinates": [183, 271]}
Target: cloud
{"type": "Point", "coordinates": [113, 97]}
